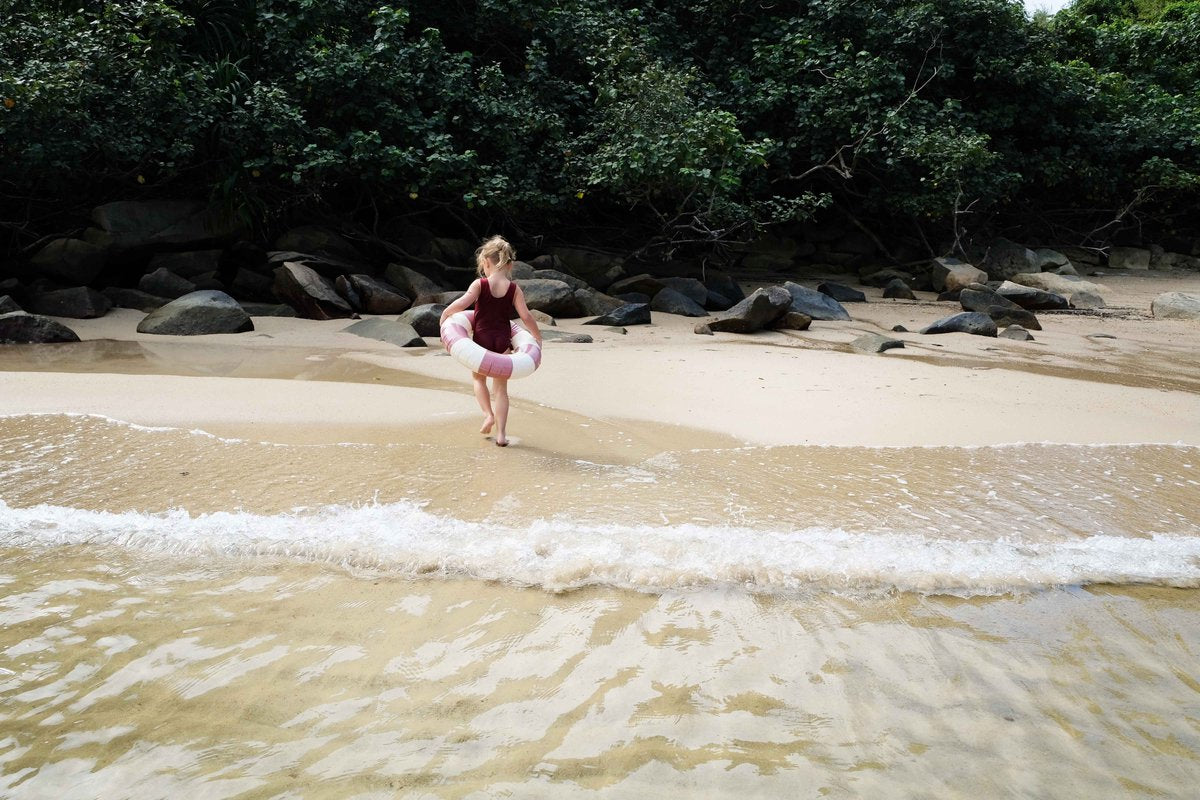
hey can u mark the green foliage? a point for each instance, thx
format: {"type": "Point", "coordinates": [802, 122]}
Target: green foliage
{"type": "Point", "coordinates": [677, 121]}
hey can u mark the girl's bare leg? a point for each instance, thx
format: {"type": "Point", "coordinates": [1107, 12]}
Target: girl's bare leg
{"type": "Point", "coordinates": [501, 387]}
{"type": "Point", "coordinates": [485, 402]}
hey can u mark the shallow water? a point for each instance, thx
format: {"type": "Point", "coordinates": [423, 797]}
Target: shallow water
{"type": "Point", "coordinates": [184, 615]}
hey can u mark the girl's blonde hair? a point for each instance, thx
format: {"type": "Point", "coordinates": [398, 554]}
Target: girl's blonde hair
{"type": "Point", "coordinates": [498, 248]}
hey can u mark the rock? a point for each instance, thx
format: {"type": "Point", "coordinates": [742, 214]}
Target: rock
{"type": "Point", "coordinates": [1050, 260]}
{"type": "Point", "coordinates": [1176, 305]}
{"type": "Point", "coordinates": [593, 303]}
{"type": "Point", "coordinates": [724, 285]}
{"type": "Point", "coordinates": [164, 283]}
{"type": "Point", "coordinates": [615, 329]}
{"type": "Point", "coordinates": [633, 297]}
{"type": "Point", "coordinates": [409, 282]}
{"type": "Point", "coordinates": [441, 298]}
{"type": "Point", "coordinates": [400, 334]}
{"type": "Point", "coordinates": [898, 290]}
{"type": "Point", "coordinates": [347, 292]}
{"type": "Point", "coordinates": [881, 278]}
{"type": "Point", "coordinates": [717, 302]}
{"type": "Point", "coordinates": [950, 297]}
{"type": "Point", "coordinates": [267, 309]}
{"type": "Point", "coordinates": [81, 302]}
{"type": "Point", "coordinates": [198, 313]}
{"type": "Point", "coordinates": [425, 319]}
{"type": "Point", "coordinates": [209, 280]}
{"type": "Point", "coordinates": [8, 305]}
{"type": "Point", "coordinates": [188, 264]}
{"type": "Point", "coordinates": [554, 297]}
{"type": "Point", "coordinates": [841, 293]}
{"type": "Point", "coordinates": [597, 268]}
{"type": "Point", "coordinates": [626, 315]}
{"type": "Point", "coordinates": [644, 283]}
{"type": "Point", "coordinates": [1087, 300]}
{"type": "Point", "coordinates": [875, 343]}
{"type": "Point", "coordinates": [134, 298]}
{"type": "Point", "coordinates": [792, 321]}
{"type": "Point", "coordinates": [1129, 258]}
{"type": "Point", "coordinates": [773, 253]}
{"type": "Point", "coordinates": [565, 337]}
{"type": "Point", "coordinates": [1064, 285]}
{"type": "Point", "coordinates": [1016, 333]}
{"type": "Point", "coordinates": [758, 311]}
{"type": "Point", "coordinates": [556, 275]}
{"type": "Point", "coordinates": [546, 261]}
{"type": "Point", "coordinates": [457, 254]}
{"type": "Point", "coordinates": [1087, 256]}
{"type": "Point", "coordinates": [1031, 298]}
{"type": "Point", "coordinates": [949, 274]}
{"type": "Point", "coordinates": [17, 327]}
{"type": "Point", "coordinates": [814, 304]}
{"type": "Point", "coordinates": [975, 323]}
{"type": "Point", "coordinates": [690, 288]}
{"type": "Point", "coordinates": [703, 329]}
{"type": "Point", "coordinates": [899, 329]}
{"type": "Point", "coordinates": [250, 285]}
{"type": "Point", "coordinates": [316, 240]}
{"type": "Point", "coordinates": [1066, 269]}
{"type": "Point", "coordinates": [670, 301]}
{"type": "Point", "coordinates": [376, 296]}
{"type": "Point", "coordinates": [70, 261]}
{"type": "Point", "coordinates": [978, 297]}
{"type": "Point", "coordinates": [160, 224]}
{"type": "Point", "coordinates": [1005, 315]}
{"type": "Point", "coordinates": [523, 272]}
{"type": "Point", "coordinates": [1005, 259]}
{"type": "Point", "coordinates": [542, 317]}
{"type": "Point", "coordinates": [312, 295]}
{"type": "Point", "coordinates": [328, 266]}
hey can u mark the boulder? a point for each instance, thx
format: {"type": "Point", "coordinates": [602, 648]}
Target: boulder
{"type": "Point", "coordinates": [1031, 298]}
{"type": "Point", "coordinates": [1006, 315]}
{"type": "Point", "coordinates": [978, 297]}
{"type": "Point", "coordinates": [160, 225]}
{"type": "Point", "coordinates": [1016, 333]}
{"type": "Point", "coordinates": [670, 301]}
{"type": "Point", "coordinates": [267, 309]}
{"type": "Point", "coordinates": [523, 271]}
{"type": "Point", "coordinates": [329, 266]}
{"type": "Point", "coordinates": [251, 285]}
{"type": "Point", "coordinates": [1086, 301]}
{"type": "Point", "coordinates": [209, 280]}
{"type": "Point", "coordinates": [17, 327]}
{"type": "Point", "coordinates": [875, 343]}
{"type": "Point", "coordinates": [8, 305]}
{"type": "Point", "coordinates": [841, 293]}
{"type": "Point", "coordinates": [134, 298]}
{"type": "Point", "coordinates": [1176, 305]}
{"type": "Point", "coordinates": [553, 297]}
{"type": "Point", "coordinates": [164, 283]}
{"type": "Point", "coordinates": [347, 292]}
{"type": "Point", "coordinates": [629, 314]}
{"type": "Point", "coordinates": [975, 323]}
{"type": "Point", "coordinates": [949, 274]}
{"type": "Point", "coordinates": [1129, 258]}
{"type": "Point", "coordinates": [400, 334]}
{"type": "Point", "coordinates": [813, 303]}
{"type": "Point", "coordinates": [312, 295]}
{"type": "Point", "coordinates": [792, 321]}
{"type": "Point", "coordinates": [644, 283]}
{"type": "Point", "coordinates": [187, 264]}
{"type": "Point", "coordinates": [881, 278]}
{"type": "Point", "coordinates": [556, 275]}
{"type": "Point", "coordinates": [716, 301]}
{"type": "Point", "coordinates": [690, 288]}
{"type": "Point", "coordinates": [773, 253]}
{"type": "Point", "coordinates": [1050, 260]}
{"type": "Point", "coordinates": [80, 302]}
{"type": "Point", "coordinates": [1004, 259]}
{"type": "Point", "coordinates": [316, 240]}
{"type": "Point", "coordinates": [597, 268]}
{"type": "Point", "coordinates": [411, 283]}
{"type": "Point", "coordinates": [950, 296]}
{"type": "Point", "coordinates": [898, 290]}
{"type": "Point", "coordinates": [542, 318]}
{"type": "Point", "coordinates": [425, 319]}
{"type": "Point", "coordinates": [376, 296]}
{"type": "Point", "coordinates": [593, 303]}
{"type": "Point", "coordinates": [71, 261]}
{"type": "Point", "coordinates": [758, 311]}
{"type": "Point", "coordinates": [1064, 285]}
{"type": "Point", "coordinates": [196, 314]}
{"type": "Point", "coordinates": [457, 254]}
{"type": "Point", "coordinates": [439, 299]}
{"type": "Point", "coordinates": [724, 285]}
{"type": "Point", "coordinates": [633, 297]}
{"type": "Point", "coordinates": [1087, 256]}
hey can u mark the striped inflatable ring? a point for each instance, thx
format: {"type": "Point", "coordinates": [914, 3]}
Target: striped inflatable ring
{"type": "Point", "coordinates": [523, 360]}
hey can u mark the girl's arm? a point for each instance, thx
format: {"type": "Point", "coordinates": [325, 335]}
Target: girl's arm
{"type": "Point", "coordinates": [526, 317]}
{"type": "Point", "coordinates": [463, 303]}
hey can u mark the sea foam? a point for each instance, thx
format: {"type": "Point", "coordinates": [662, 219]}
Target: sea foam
{"type": "Point", "coordinates": [404, 540]}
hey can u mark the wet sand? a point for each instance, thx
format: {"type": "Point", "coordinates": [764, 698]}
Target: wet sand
{"type": "Point", "coordinates": [285, 564]}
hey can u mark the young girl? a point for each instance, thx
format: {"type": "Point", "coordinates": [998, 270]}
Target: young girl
{"type": "Point", "coordinates": [495, 295]}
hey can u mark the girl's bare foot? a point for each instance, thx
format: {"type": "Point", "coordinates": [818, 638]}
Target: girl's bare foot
{"type": "Point", "coordinates": [488, 422]}
{"type": "Point", "coordinates": [501, 441]}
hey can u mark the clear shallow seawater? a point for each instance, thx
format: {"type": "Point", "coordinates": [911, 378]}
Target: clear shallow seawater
{"type": "Point", "coordinates": [183, 615]}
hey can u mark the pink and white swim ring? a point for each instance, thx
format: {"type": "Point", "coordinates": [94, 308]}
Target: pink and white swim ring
{"type": "Point", "coordinates": [523, 360]}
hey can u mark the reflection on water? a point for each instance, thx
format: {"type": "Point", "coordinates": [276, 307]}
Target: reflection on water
{"type": "Point", "coordinates": [126, 677]}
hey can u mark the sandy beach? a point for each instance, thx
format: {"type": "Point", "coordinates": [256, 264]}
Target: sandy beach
{"type": "Point", "coordinates": [285, 563]}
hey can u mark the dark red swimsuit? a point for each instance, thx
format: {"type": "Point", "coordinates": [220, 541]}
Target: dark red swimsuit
{"type": "Point", "coordinates": [492, 315]}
